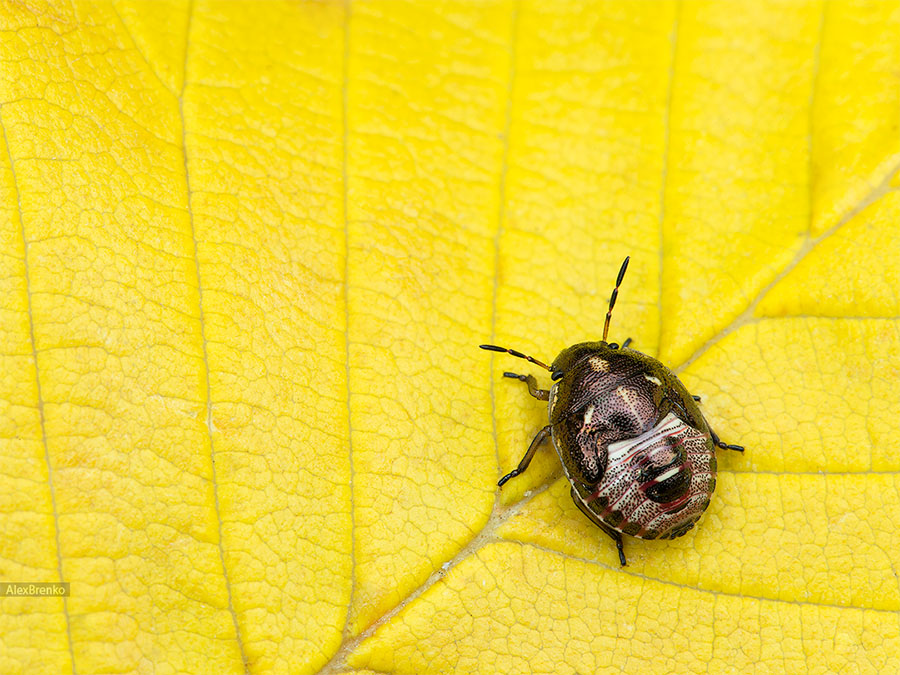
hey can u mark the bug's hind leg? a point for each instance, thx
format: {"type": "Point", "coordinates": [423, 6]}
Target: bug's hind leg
{"type": "Point", "coordinates": [539, 394]}
{"type": "Point", "coordinates": [539, 438]}
{"type": "Point", "coordinates": [719, 443]}
{"type": "Point", "coordinates": [616, 536]}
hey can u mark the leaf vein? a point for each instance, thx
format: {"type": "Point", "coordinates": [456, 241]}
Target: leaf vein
{"type": "Point", "coordinates": [40, 397]}
{"type": "Point", "coordinates": [209, 424]}
{"type": "Point", "coordinates": [345, 159]}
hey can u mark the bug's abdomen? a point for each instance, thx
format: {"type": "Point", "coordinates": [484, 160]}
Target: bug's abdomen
{"type": "Point", "coordinates": [657, 484]}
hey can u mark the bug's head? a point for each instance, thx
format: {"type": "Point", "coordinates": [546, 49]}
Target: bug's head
{"type": "Point", "coordinates": [570, 359]}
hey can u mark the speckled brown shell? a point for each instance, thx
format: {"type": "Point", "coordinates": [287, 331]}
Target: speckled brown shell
{"type": "Point", "coordinates": [632, 441]}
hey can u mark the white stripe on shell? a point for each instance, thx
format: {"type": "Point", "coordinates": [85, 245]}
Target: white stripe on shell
{"type": "Point", "coordinates": [619, 450]}
{"type": "Point", "coordinates": [587, 415]}
{"type": "Point", "coordinates": [668, 474]}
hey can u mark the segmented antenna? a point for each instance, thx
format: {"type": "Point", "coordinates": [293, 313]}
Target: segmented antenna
{"type": "Point", "coordinates": [615, 294]}
{"type": "Point", "coordinates": [495, 348]}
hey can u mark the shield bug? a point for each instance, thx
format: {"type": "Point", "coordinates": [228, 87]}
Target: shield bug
{"type": "Point", "coordinates": [633, 442]}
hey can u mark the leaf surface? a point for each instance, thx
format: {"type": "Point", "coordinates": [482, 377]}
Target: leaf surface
{"type": "Point", "coordinates": [248, 251]}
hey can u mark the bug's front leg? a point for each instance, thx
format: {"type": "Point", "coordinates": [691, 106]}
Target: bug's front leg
{"type": "Point", "coordinates": [616, 536]}
{"type": "Point", "coordinates": [539, 394]}
{"type": "Point", "coordinates": [539, 438]}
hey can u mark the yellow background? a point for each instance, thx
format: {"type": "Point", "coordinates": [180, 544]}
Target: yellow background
{"type": "Point", "coordinates": [248, 251]}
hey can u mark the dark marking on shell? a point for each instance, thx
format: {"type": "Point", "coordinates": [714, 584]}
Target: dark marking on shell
{"type": "Point", "coordinates": [670, 489]}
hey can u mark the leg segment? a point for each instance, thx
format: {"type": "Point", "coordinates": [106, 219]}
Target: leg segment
{"type": "Point", "coordinates": [721, 444]}
{"type": "Point", "coordinates": [626, 343]}
{"type": "Point", "coordinates": [539, 438]}
{"type": "Point", "coordinates": [616, 536]}
{"type": "Point", "coordinates": [539, 394]}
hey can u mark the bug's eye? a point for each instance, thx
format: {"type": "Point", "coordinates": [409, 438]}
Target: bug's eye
{"type": "Point", "coordinates": [556, 375]}
{"type": "Point", "coordinates": [613, 345]}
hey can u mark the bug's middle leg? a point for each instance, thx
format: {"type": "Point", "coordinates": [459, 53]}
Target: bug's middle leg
{"type": "Point", "coordinates": [539, 438]}
{"type": "Point", "coordinates": [616, 536]}
{"type": "Point", "coordinates": [719, 443]}
{"type": "Point", "coordinates": [539, 394]}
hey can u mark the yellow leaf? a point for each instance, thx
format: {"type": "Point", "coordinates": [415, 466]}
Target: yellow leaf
{"type": "Point", "coordinates": [248, 251]}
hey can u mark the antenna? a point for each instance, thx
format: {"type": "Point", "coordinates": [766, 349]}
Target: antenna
{"type": "Point", "coordinates": [494, 348]}
{"type": "Point", "coordinates": [615, 294]}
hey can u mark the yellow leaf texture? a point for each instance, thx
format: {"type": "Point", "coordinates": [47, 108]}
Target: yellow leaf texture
{"type": "Point", "coordinates": [247, 254]}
